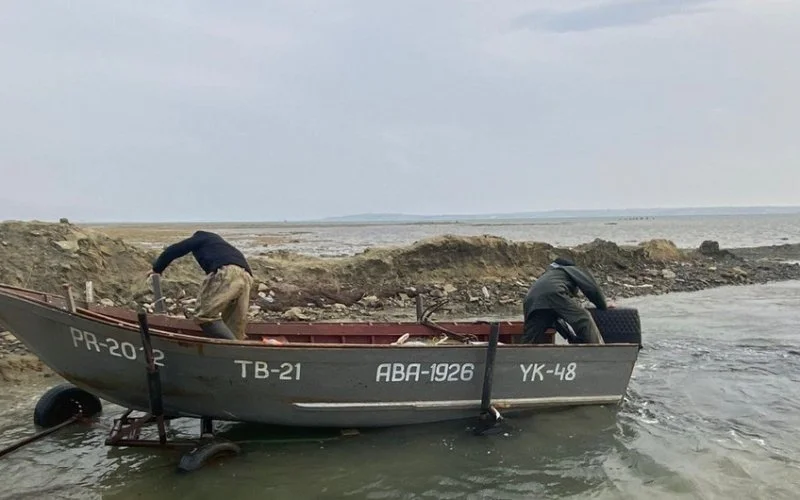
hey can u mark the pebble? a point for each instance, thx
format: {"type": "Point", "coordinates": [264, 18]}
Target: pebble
{"type": "Point", "coordinates": [739, 271]}
{"type": "Point", "coordinates": [295, 314]}
{"type": "Point", "coordinates": [634, 282]}
{"type": "Point", "coordinates": [68, 245]}
{"type": "Point", "coordinates": [370, 301]}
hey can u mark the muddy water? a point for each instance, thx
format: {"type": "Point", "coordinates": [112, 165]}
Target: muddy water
{"type": "Point", "coordinates": [712, 412]}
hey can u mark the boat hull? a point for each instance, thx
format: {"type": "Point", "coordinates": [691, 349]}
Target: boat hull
{"type": "Point", "coordinates": [314, 385]}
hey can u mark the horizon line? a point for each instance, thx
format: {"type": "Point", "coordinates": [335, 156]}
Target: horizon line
{"type": "Point", "coordinates": [400, 217]}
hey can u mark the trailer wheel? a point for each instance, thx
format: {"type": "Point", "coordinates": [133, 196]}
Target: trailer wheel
{"type": "Point", "coordinates": [62, 402]}
{"type": "Point", "coordinates": [205, 453]}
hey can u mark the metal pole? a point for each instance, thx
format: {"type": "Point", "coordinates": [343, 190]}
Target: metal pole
{"type": "Point", "coordinates": [70, 297]}
{"type": "Point", "coordinates": [159, 304]}
{"type": "Point", "coordinates": [206, 426]}
{"type": "Point", "coordinates": [488, 374]}
{"type": "Point", "coordinates": [489, 416]}
{"type": "Point", "coordinates": [89, 293]}
{"type": "Point", "coordinates": [153, 378]}
{"type": "Point", "coordinates": [39, 435]}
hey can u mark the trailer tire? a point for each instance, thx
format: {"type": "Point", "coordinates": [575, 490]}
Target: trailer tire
{"type": "Point", "coordinates": [619, 325]}
{"type": "Point", "coordinates": [206, 452]}
{"type": "Point", "coordinates": [62, 402]}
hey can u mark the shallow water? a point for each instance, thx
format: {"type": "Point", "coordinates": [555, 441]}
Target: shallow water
{"type": "Point", "coordinates": [684, 231]}
{"type": "Point", "coordinates": [712, 412]}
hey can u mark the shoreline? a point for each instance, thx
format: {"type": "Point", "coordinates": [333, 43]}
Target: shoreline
{"type": "Point", "coordinates": [483, 276]}
{"type": "Point", "coordinates": [342, 239]}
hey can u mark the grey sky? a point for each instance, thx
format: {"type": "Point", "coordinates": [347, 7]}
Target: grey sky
{"type": "Point", "coordinates": [202, 110]}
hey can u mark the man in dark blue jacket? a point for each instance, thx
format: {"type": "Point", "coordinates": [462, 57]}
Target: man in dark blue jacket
{"type": "Point", "coordinates": [553, 297]}
{"type": "Point", "coordinates": [226, 288]}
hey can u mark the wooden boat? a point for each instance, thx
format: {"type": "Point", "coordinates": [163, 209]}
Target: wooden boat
{"type": "Point", "coordinates": [344, 375]}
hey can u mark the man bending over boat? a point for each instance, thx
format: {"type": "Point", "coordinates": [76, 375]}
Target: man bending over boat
{"type": "Point", "coordinates": [226, 288]}
{"type": "Point", "coordinates": [554, 296]}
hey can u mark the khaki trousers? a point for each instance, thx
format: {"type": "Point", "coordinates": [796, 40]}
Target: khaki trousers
{"type": "Point", "coordinates": [226, 292]}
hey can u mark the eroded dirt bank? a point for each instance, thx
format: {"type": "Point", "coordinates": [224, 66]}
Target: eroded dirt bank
{"type": "Point", "coordinates": [480, 276]}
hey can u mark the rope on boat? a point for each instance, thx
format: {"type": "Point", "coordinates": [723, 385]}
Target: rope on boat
{"type": "Point", "coordinates": [458, 336]}
{"type": "Point", "coordinates": [424, 318]}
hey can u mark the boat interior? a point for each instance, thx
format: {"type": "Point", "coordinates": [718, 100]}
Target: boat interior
{"type": "Point", "coordinates": [302, 332]}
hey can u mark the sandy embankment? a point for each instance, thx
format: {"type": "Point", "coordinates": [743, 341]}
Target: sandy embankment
{"type": "Point", "coordinates": [480, 276]}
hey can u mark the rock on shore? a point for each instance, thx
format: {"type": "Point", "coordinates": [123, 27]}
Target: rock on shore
{"type": "Point", "coordinates": [480, 275]}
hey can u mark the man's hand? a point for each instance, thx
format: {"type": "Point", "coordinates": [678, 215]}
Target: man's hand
{"type": "Point", "coordinates": [611, 305]}
{"type": "Point", "coordinates": [150, 274]}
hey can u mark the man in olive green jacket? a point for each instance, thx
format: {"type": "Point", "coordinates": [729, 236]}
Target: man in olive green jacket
{"type": "Point", "coordinates": [554, 296]}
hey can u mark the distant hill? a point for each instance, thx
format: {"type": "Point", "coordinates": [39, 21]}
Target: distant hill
{"type": "Point", "coordinates": [559, 214]}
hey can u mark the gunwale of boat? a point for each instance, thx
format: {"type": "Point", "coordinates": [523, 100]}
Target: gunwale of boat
{"type": "Point", "coordinates": [174, 333]}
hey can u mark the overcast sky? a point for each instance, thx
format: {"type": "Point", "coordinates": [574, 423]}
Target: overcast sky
{"type": "Point", "coordinates": [199, 110]}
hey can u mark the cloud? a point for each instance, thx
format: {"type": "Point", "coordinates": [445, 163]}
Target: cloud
{"type": "Point", "coordinates": [294, 109]}
{"type": "Point", "coordinates": [607, 15]}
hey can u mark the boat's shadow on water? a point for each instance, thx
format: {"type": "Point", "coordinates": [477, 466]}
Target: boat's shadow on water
{"type": "Point", "coordinates": [554, 453]}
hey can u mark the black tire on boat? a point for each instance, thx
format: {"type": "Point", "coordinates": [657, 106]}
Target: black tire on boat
{"type": "Point", "coordinates": [619, 325]}
{"type": "Point", "coordinates": [62, 402]}
{"type": "Point", "coordinates": [206, 452]}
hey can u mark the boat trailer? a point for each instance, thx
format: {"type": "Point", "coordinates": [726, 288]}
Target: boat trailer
{"type": "Point", "coordinates": [126, 430]}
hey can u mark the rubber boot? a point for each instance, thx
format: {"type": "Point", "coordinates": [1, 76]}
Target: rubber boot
{"type": "Point", "coordinates": [563, 328]}
{"type": "Point", "coordinates": [217, 329]}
